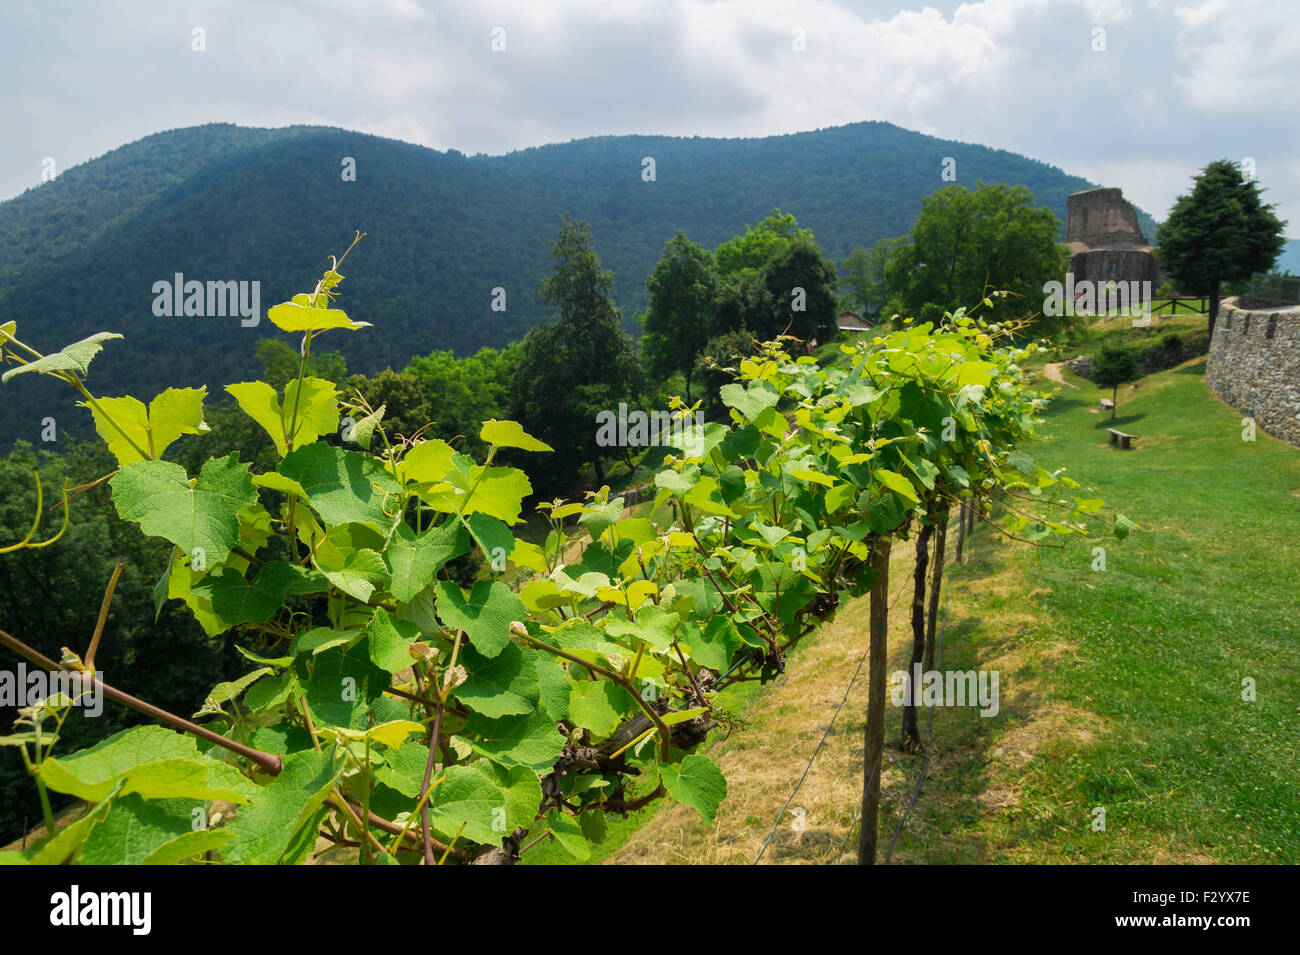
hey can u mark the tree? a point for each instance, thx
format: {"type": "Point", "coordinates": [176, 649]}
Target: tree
{"type": "Point", "coordinates": [742, 301]}
{"type": "Point", "coordinates": [1112, 367]}
{"type": "Point", "coordinates": [571, 370]}
{"type": "Point", "coordinates": [679, 320]}
{"type": "Point", "coordinates": [758, 244]}
{"type": "Point", "coordinates": [1222, 231]}
{"type": "Point", "coordinates": [406, 406]}
{"type": "Point", "coordinates": [772, 279]}
{"type": "Point", "coordinates": [462, 393]}
{"type": "Point", "coordinates": [965, 244]}
{"type": "Point", "coordinates": [800, 282]}
{"type": "Point", "coordinates": [864, 276]}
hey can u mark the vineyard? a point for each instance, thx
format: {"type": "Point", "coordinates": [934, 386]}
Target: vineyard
{"type": "Point", "coordinates": [402, 714]}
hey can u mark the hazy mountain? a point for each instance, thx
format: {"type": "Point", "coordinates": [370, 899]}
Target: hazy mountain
{"type": "Point", "coordinates": [218, 203]}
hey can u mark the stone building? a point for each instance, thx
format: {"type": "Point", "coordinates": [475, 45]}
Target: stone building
{"type": "Point", "coordinates": [1106, 244]}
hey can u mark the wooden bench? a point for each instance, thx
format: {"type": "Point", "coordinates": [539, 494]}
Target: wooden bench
{"type": "Point", "coordinates": [1120, 438]}
{"type": "Point", "coordinates": [1107, 404]}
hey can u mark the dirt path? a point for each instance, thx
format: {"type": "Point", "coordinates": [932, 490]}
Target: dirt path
{"type": "Point", "coordinates": [1053, 371]}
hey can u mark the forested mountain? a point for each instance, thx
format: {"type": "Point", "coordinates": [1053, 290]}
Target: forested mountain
{"type": "Point", "coordinates": [219, 202]}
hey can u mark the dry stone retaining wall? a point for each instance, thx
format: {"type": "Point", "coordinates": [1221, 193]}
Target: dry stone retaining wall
{"type": "Point", "coordinates": [1254, 366]}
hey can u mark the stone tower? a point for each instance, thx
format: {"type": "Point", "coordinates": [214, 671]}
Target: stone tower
{"type": "Point", "coordinates": [1106, 244]}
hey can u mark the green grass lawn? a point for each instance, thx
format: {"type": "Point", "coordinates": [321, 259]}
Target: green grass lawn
{"type": "Point", "coordinates": [1142, 664]}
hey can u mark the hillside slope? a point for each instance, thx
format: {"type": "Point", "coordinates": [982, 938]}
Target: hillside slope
{"type": "Point", "coordinates": [219, 202]}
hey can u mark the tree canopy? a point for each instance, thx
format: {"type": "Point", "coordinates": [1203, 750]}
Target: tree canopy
{"type": "Point", "coordinates": [1222, 231]}
{"type": "Point", "coordinates": [967, 243]}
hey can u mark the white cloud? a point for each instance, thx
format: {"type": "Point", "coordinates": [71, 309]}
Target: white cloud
{"type": "Point", "coordinates": [1181, 82]}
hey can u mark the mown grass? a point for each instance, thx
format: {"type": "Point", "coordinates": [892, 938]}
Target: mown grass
{"type": "Point", "coordinates": [1126, 688]}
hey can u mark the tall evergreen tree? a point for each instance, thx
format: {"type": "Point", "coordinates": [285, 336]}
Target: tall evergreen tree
{"type": "Point", "coordinates": [1222, 231]}
{"type": "Point", "coordinates": [679, 321]}
{"type": "Point", "coordinates": [570, 370]}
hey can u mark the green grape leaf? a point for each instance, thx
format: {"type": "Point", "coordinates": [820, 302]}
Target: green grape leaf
{"type": "Point", "coordinates": [469, 796]}
{"type": "Point", "coordinates": [223, 693]}
{"type": "Point", "coordinates": [341, 683]}
{"type": "Point", "coordinates": [522, 790]}
{"type": "Point", "coordinates": [498, 492]}
{"type": "Point", "coordinates": [529, 740]}
{"type": "Point", "coordinates": [188, 846]}
{"type": "Point", "coordinates": [655, 625]}
{"type": "Point", "coordinates": [265, 829]}
{"type": "Point", "coordinates": [697, 782]}
{"type": "Point", "coordinates": [175, 412]}
{"type": "Point", "coordinates": [391, 734]}
{"type": "Point", "coordinates": [429, 462]}
{"type": "Point", "coordinates": [554, 684]}
{"type": "Point", "coordinates": [749, 401]}
{"type": "Point", "coordinates": [403, 769]}
{"type": "Point", "coordinates": [485, 617]}
{"type": "Point", "coordinates": [504, 684]}
{"type": "Point", "coordinates": [363, 572]}
{"type": "Point", "coordinates": [342, 486]}
{"type": "Point", "coordinates": [510, 434]}
{"type": "Point", "coordinates": [390, 641]}
{"type": "Point", "coordinates": [65, 846]}
{"type": "Point", "coordinates": [413, 559]}
{"type": "Point", "coordinates": [597, 517]}
{"type": "Point", "coordinates": [237, 600]}
{"type": "Point", "coordinates": [716, 644]}
{"type": "Point", "coordinates": [731, 483]}
{"type": "Point", "coordinates": [295, 317]}
{"type": "Point", "coordinates": [74, 358]}
{"type": "Point", "coordinates": [363, 431]}
{"type": "Point", "coordinates": [318, 409]}
{"type": "Point", "coordinates": [897, 483]}
{"type": "Point", "coordinates": [157, 495]}
{"type": "Point", "coordinates": [157, 763]}
{"type": "Point", "coordinates": [598, 705]}
{"type": "Point", "coordinates": [840, 495]}
{"type": "Point", "coordinates": [137, 828]}
{"type": "Point", "coordinates": [675, 481]}
{"type": "Point", "coordinates": [493, 538]}
{"type": "Point", "coordinates": [568, 833]}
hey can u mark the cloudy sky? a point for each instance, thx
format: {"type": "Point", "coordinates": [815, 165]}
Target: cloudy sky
{"type": "Point", "coordinates": [1132, 93]}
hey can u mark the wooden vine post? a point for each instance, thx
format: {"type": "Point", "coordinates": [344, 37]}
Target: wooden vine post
{"type": "Point", "coordinates": [878, 661]}
{"type": "Point", "coordinates": [936, 585]}
{"type": "Point", "coordinates": [911, 731]}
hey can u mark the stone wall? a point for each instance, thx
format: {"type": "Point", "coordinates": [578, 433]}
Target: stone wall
{"type": "Point", "coordinates": [1254, 366]}
{"type": "Point", "coordinates": [1115, 265]}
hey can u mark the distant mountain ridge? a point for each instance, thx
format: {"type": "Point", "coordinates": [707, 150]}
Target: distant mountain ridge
{"type": "Point", "coordinates": [228, 203]}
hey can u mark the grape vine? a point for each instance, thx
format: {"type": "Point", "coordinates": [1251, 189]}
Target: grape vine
{"type": "Point", "coordinates": [394, 712]}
